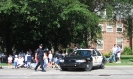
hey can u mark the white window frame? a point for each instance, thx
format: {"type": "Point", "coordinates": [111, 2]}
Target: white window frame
{"type": "Point", "coordinates": [102, 27]}
{"type": "Point", "coordinates": [101, 41]}
{"type": "Point", "coordinates": [119, 25]}
{"type": "Point", "coordinates": [120, 42]}
{"type": "Point", "coordinates": [109, 26]}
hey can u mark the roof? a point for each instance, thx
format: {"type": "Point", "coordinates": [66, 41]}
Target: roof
{"type": "Point", "coordinates": [85, 49]}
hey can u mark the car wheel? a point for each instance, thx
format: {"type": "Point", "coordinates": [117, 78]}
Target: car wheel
{"type": "Point", "coordinates": [88, 66]}
{"type": "Point", "coordinates": [64, 69]}
{"type": "Point", "coordinates": [102, 66]}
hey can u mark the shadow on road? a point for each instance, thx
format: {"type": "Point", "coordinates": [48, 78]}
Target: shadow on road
{"type": "Point", "coordinates": [80, 70]}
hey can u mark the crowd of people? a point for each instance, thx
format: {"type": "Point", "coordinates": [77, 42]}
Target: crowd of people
{"type": "Point", "coordinates": [43, 58]}
{"type": "Point", "coordinates": [20, 60]}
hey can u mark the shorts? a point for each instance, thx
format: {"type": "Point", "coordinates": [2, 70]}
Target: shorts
{"type": "Point", "coordinates": [118, 54]}
{"type": "Point", "coordinates": [15, 63]}
{"type": "Point", "coordinates": [9, 62]}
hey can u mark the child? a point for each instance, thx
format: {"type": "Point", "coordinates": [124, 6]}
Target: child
{"type": "Point", "coordinates": [45, 60]}
{"type": "Point", "coordinates": [50, 56]}
{"type": "Point", "coordinates": [16, 61]}
{"type": "Point", "coordinates": [10, 61]}
{"type": "Point", "coordinates": [28, 60]}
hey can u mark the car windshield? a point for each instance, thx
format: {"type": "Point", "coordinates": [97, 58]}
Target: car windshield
{"type": "Point", "coordinates": [81, 53]}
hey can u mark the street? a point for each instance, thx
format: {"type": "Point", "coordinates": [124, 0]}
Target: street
{"type": "Point", "coordinates": [110, 72]}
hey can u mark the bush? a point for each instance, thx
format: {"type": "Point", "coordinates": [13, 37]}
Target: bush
{"type": "Point", "coordinates": [127, 51]}
{"type": "Point", "coordinates": [126, 57]}
{"type": "Point", "coordinates": [107, 55]}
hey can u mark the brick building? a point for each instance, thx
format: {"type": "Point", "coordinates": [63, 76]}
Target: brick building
{"type": "Point", "coordinates": [111, 34]}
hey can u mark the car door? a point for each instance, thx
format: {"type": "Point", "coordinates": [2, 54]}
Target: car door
{"type": "Point", "coordinates": [99, 57]}
{"type": "Point", "coordinates": [94, 56]}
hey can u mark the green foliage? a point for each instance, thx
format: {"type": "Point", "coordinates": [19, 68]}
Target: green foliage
{"type": "Point", "coordinates": [108, 54]}
{"type": "Point", "coordinates": [126, 56]}
{"type": "Point", "coordinates": [127, 51]}
{"type": "Point", "coordinates": [25, 23]}
{"type": "Point", "coordinates": [123, 10]}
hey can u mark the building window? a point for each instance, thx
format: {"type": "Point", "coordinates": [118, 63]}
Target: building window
{"type": "Point", "coordinates": [109, 28]}
{"type": "Point", "coordinates": [119, 27]}
{"type": "Point", "coordinates": [119, 41]}
{"type": "Point", "coordinates": [100, 44]}
{"type": "Point", "coordinates": [102, 27]}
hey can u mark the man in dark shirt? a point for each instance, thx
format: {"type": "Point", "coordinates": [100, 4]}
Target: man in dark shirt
{"type": "Point", "coordinates": [39, 55]}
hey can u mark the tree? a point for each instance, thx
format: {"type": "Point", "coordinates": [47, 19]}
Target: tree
{"type": "Point", "coordinates": [123, 11]}
{"type": "Point", "coordinates": [84, 22]}
{"type": "Point", "coordinates": [26, 23]}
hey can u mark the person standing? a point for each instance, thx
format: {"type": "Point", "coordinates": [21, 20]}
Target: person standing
{"type": "Point", "coordinates": [50, 57]}
{"type": "Point", "coordinates": [118, 54]}
{"type": "Point", "coordinates": [114, 52]}
{"type": "Point", "coordinates": [45, 58]}
{"type": "Point", "coordinates": [10, 61]}
{"type": "Point", "coordinates": [16, 61]}
{"type": "Point", "coordinates": [40, 54]}
{"type": "Point", "coordinates": [28, 60]}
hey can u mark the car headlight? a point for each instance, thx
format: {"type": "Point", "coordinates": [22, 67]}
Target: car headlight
{"type": "Point", "coordinates": [80, 61]}
{"type": "Point", "coordinates": [61, 60]}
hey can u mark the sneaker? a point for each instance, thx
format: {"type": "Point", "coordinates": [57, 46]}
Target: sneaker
{"type": "Point", "coordinates": [58, 68]}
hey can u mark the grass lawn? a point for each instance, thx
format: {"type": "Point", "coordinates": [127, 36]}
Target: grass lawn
{"type": "Point", "coordinates": [126, 60]}
{"type": "Point", "coordinates": [4, 64]}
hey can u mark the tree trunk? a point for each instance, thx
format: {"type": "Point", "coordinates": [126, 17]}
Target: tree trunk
{"type": "Point", "coordinates": [7, 46]}
{"type": "Point", "coordinates": [8, 42]}
{"type": "Point", "coordinates": [130, 29]}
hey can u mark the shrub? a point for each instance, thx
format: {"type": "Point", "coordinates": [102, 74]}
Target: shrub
{"type": "Point", "coordinates": [126, 57]}
{"type": "Point", "coordinates": [107, 55]}
{"type": "Point", "coordinates": [127, 51]}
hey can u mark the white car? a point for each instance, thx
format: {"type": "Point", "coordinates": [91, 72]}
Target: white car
{"type": "Point", "coordinates": [83, 59]}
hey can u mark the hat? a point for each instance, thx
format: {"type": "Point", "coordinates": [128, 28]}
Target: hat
{"type": "Point", "coordinates": [40, 44]}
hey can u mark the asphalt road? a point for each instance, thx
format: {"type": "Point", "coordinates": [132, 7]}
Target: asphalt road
{"type": "Point", "coordinates": [116, 72]}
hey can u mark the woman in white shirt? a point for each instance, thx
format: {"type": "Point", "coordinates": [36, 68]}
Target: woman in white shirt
{"type": "Point", "coordinates": [20, 61]}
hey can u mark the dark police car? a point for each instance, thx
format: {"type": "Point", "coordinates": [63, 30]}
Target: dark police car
{"type": "Point", "coordinates": [83, 59]}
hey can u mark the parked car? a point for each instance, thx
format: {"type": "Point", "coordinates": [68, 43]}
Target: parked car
{"type": "Point", "coordinates": [83, 59]}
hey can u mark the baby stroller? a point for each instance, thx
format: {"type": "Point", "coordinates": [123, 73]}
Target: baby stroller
{"type": "Point", "coordinates": [110, 59]}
